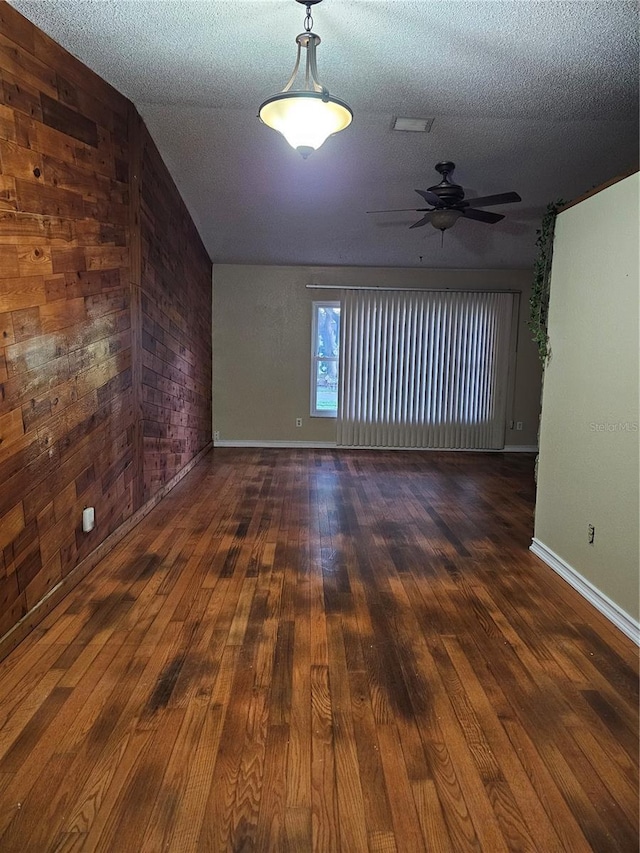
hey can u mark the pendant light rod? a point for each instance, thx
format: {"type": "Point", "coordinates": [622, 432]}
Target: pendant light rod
{"type": "Point", "coordinates": [310, 41]}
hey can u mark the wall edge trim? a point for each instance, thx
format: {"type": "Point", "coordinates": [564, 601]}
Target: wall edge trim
{"type": "Point", "coordinates": [612, 611]}
{"type": "Point", "coordinates": [30, 620]}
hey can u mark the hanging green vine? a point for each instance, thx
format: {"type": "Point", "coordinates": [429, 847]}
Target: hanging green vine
{"type": "Point", "coordinates": [539, 301]}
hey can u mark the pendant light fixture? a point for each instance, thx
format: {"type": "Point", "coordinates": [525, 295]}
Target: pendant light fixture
{"type": "Point", "coordinates": [307, 116]}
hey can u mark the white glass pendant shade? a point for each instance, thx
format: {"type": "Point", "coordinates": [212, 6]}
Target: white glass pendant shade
{"type": "Point", "coordinates": [443, 219]}
{"type": "Point", "coordinates": [305, 119]}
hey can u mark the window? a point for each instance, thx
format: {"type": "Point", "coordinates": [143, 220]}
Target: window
{"type": "Point", "coordinates": [325, 359]}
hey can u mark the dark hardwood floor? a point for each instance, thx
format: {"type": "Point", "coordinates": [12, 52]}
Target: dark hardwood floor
{"type": "Point", "coordinates": [324, 651]}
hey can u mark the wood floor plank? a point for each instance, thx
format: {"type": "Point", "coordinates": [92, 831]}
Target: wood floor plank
{"type": "Point", "coordinates": [324, 650]}
{"type": "Point", "coordinates": [275, 828]}
{"type": "Point", "coordinates": [377, 813]}
{"type": "Point", "coordinates": [161, 827]}
{"type": "Point", "coordinates": [406, 822]}
{"type": "Point", "coordinates": [432, 822]}
{"type": "Point", "coordinates": [353, 825]}
{"type": "Point", "coordinates": [191, 815]}
{"type": "Point", "coordinates": [219, 825]}
{"type": "Point", "coordinates": [298, 772]}
{"type": "Point", "coordinates": [324, 801]}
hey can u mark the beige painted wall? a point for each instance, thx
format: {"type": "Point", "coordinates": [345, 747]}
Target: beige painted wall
{"type": "Point", "coordinates": [262, 345]}
{"type": "Point", "coordinates": [588, 465]}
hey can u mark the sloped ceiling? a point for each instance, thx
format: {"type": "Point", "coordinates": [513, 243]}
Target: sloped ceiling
{"type": "Point", "coordinates": [537, 97]}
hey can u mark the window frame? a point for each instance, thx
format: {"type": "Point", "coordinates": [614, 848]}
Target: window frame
{"type": "Point", "coordinates": [315, 358]}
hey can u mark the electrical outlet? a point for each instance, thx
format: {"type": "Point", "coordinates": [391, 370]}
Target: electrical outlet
{"type": "Point", "coordinates": [519, 426]}
{"type": "Point", "coordinates": [298, 422]}
{"type": "Point", "coordinates": [88, 519]}
{"type": "Point", "coordinates": [216, 435]}
{"type": "Point", "coordinates": [591, 534]}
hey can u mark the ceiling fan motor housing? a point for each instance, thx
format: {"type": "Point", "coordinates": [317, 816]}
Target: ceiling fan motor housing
{"type": "Point", "coordinates": [449, 193]}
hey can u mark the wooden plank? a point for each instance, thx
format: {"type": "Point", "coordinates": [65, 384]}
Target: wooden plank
{"type": "Point", "coordinates": [7, 336]}
{"type": "Point", "coordinates": [24, 65]}
{"type": "Point", "coordinates": [11, 524]}
{"type": "Point", "coordinates": [8, 193]}
{"type": "Point", "coordinates": [11, 429]}
{"type": "Point", "coordinates": [27, 355]}
{"type": "Point", "coordinates": [20, 96]}
{"type": "Point", "coordinates": [7, 124]}
{"type": "Point", "coordinates": [16, 27]}
{"type": "Point", "coordinates": [46, 579]}
{"type": "Point", "coordinates": [34, 260]}
{"type": "Point", "coordinates": [51, 201]}
{"type": "Point", "coordinates": [17, 228]}
{"type": "Point", "coordinates": [324, 800]}
{"type": "Point", "coordinates": [9, 262]}
{"type": "Point", "coordinates": [107, 257]}
{"type": "Point", "coordinates": [403, 809]}
{"type": "Point", "coordinates": [20, 162]}
{"type": "Point", "coordinates": [70, 260]}
{"type": "Point", "coordinates": [61, 314]}
{"type": "Point", "coordinates": [26, 324]}
{"type": "Point", "coordinates": [16, 390]}
{"type": "Point", "coordinates": [80, 179]}
{"type": "Point", "coordinates": [61, 117]}
{"type": "Point", "coordinates": [87, 104]}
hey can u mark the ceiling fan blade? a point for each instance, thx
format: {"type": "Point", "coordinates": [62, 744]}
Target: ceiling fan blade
{"type": "Point", "coordinates": [400, 210]}
{"type": "Point", "coordinates": [482, 215]}
{"type": "Point", "coordinates": [488, 200]}
{"type": "Point", "coordinates": [424, 221]}
{"type": "Point", "coordinates": [429, 197]}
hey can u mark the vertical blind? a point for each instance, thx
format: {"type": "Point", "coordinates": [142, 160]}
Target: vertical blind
{"type": "Point", "coordinates": [424, 369]}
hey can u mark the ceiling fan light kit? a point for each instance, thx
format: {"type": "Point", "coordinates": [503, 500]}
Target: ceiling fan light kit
{"type": "Point", "coordinates": [448, 203]}
{"type": "Point", "coordinates": [306, 116]}
{"type": "Point", "coordinates": [443, 219]}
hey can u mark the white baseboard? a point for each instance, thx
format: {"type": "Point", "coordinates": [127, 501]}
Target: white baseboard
{"type": "Point", "coordinates": [237, 442]}
{"type": "Point", "coordinates": [627, 624]}
{"type": "Point", "coordinates": [327, 445]}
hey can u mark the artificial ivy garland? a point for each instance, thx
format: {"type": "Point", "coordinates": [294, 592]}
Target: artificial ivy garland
{"type": "Point", "coordinates": [539, 301]}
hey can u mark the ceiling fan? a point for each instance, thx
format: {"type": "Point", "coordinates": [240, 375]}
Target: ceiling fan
{"type": "Point", "coordinates": [448, 203]}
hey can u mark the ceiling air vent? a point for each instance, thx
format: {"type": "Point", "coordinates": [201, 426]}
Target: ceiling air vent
{"type": "Point", "coordinates": [416, 125]}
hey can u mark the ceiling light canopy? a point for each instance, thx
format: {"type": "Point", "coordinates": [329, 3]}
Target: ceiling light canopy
{"type": "Point", "coordinates": [306, 116]}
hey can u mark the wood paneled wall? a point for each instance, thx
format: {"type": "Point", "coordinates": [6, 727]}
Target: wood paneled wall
{"type": "Point", "coordinates": [176, 327]}
{"type": "Point", "coordinates": [105, 319]}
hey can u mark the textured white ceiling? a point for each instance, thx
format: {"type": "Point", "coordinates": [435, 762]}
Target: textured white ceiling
{"type": "Point", "coordinates": [537, 97]}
